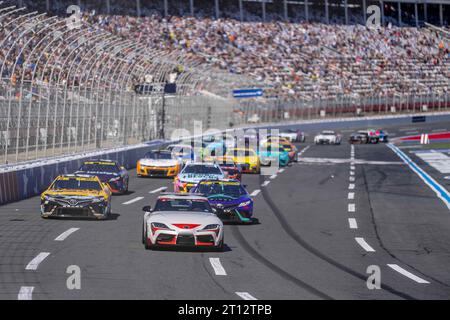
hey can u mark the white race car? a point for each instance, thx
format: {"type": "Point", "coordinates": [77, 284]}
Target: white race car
{"type": "Point", "coordinates": [327, 137]}
{"type": "Point", "coordinates": [193, 173]}
{"type": "Point", "coordinates": [293, 135]}
{"type": "Point", "coordinates": [182, 220]}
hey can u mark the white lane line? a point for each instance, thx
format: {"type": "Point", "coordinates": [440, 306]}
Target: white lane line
{"type": "Point", "coordinates": [65, 234]}
{"type": "Point", "coordinates": [158, 190]}
{"type": "Point", "coordinates": [352, 223]}
{"type": "Point", "coordinates": [273, 176]}
{"type": "Point", "coordinates": [351, 186]}
{"type": "Point", "coordinates": [411, 132]}
{"type": "Point", "coordinates": [352, 179]}
{"type": "Point", "coordinates": [25, 293]}
{"type": "Point", "coordinates": [265, 183]}
{"type": "Point", "coordinates": [364, 244]}
{"type": "Point", "coordinates": [133, 200]}
{"type": "Point", "coordinates": [439, 130]}
{"type": "Point", "coordinates": [352, 168]}
{"type": "Point", "coordinates": [255, 193]}
{"type": "Point", "coordinates": [34, 264]}
{"type": "Point", "coordinates": [351, 207]}
{"type": "Point", "coordinates": [407, 273]}
{"type": "Point", "coordinates": [351, 196]}
{"type": "Point", "coordinates": [352, 173]}
{"type": "Point", "coordinates": [217, 266]}
{"type": "Point", "coordinates": [281, 171]}
{"type": "Point", "coordinates": [303, 151]}
{"type": "Point", "coordinates": [246, 296]}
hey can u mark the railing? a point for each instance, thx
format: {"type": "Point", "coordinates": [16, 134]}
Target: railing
{"type": "Point", "coordinates": [273, 111]}
{"type": "Point", "coordinates": [68, 88]}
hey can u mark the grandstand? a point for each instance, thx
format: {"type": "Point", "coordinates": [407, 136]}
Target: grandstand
{"type": "Point", "coordinates": [58, 78]}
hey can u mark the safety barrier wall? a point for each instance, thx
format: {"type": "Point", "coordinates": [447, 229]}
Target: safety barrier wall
{"type": "Point", "coordinates": [29, 181]}
{"type": "Point", "coordinates": [26, 181]}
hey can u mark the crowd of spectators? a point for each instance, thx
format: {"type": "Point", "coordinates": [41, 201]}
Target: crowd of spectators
{"type": "Point", "coordinates": [292, 60]}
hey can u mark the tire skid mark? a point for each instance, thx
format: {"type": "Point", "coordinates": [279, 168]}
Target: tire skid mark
{"type": "Point", "coordinates": [377, 234]}
{"type": "Point", "coordinates": [303, 243]}
{"type": "Point", "coordinates": [284, 274]}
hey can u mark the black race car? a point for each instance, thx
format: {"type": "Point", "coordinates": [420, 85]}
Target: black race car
{"type": "Point", "coordinates": [358, 138]}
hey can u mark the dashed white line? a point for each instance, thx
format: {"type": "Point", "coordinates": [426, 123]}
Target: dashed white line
{"type": "Point", "coordinates": [352, 173]}
{"type": "Point", "coordinates": [351, 207]}
{"type": "Point", "coordinates": [273, 176]}
{"type": "Point", "coordinates": [281, 171]}
{"type": "Point", "coordinates": [364, 244]}
{"type": "Point", "coordinates": [439, 130]}
{"type": "Point", "coordinates": [352, 223]}
{"type": "Point", "coordinates": [303, 151]}
{"type": "Point", "coordinates": [246, 296]}
{"type": "Point", "coordinates": [351, 196]}
{"type": "Point", "coordinates": [25, 293]}
{"type": "Point", "coordinates": [158, 190]}
{"type": "Point", "coordinates": [255, 193]}
{"type": "Point", "coordinates": [65, 234]}
{"type": "Point", "coordinates": [352, 179]}
{"type": "Point", "coordinates": [407, 273]}
{"type": "Point", "coordinates": [133, 200]}
{"type": "Point", "coordinates": [34, 264]}
{"type": "Point", "coordinates": [352, 168]}
{"type": "Point", "coordinates": [351, 186]}
{"type": "Point", "coordinates": [217, 266]}
{"type": "Point", "coordinates": [265, 183]}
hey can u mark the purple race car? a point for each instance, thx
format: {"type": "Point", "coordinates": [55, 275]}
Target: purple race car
{"type": "Point", "coordinates": [228, 198]}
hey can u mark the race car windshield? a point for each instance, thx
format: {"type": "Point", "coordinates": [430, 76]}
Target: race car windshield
{"type": "Point", "coordinates": [234, 190]}
{"type": "Point", "coordinates": [74, 184]}
{"type": "Point", "coordinates": [202, 169]}
{"type": "Point", "coordinates": [95, 167]}
{"type": "Point", "coordinates": [187, 205]}
{"type": "Point", "coordinates": [241, 153]}
{"type": "Point", "coordinates": [158, 155]}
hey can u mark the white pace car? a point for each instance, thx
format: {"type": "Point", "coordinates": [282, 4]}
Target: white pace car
{"type": "Point", "coordinates": [327, 137]}
{"type": "Point", "coordinates": [182, 220]}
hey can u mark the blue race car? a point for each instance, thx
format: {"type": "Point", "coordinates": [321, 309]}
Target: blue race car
{"type": "Point", "coordinates": [228, 198]}
{"type": "Point", "coordinates": [109, 172]}
{"type": "Point", "coordinates": [271, 153]}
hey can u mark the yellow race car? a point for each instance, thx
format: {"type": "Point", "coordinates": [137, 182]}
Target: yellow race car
{"type": "Point", "coordinates": [76, 196]}
{"type": "Point", "coordinates": [246, 158]}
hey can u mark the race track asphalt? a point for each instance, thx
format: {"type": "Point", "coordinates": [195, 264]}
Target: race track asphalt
{"type": "Point", "coordinates": [303, 245]}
